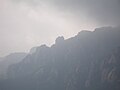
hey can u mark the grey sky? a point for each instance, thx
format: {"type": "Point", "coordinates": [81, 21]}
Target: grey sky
{"type": "Point", "coordinates": [28, 23]}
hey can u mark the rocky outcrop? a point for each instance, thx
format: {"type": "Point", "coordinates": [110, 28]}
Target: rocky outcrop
{"type": "Point", "coordinates": [110, 71]}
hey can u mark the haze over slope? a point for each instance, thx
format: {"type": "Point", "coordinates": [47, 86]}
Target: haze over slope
{"type": "Point", "coordinates": [83, 62]}
{"type": "Point", "coordinates": [6, 61]}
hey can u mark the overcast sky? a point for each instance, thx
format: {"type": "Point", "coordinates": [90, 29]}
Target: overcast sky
{"type": "Point", "coordinates": [28, 23]}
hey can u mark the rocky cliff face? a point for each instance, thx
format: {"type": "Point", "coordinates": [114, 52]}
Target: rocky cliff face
{"type": "Point", "coordinates": [83, 62]}
{"type": "Point", "coordinates": [110, 71]}
{"type": "Point", "coordinates": [103, 76]}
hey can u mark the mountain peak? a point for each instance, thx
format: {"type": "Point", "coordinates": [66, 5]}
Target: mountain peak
{"type": "Point", "coordinates": [59, 40]}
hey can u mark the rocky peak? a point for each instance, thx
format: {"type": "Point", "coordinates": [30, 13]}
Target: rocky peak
{"type": "Point", "coordinates": [59, 40]}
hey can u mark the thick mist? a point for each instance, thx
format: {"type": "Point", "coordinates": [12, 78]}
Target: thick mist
{"type": "Point", "coordinates": [28, 23]}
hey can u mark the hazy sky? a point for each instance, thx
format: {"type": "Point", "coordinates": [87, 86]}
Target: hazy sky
{"type": "Point", "coordinates": [28, 23]}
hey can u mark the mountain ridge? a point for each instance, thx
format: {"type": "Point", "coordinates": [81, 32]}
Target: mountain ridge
{"type": "Point", "coordinates": [69, 64]}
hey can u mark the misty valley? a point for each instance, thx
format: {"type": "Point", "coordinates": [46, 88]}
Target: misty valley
{"type": "Point", "coordinates": [88, 61]}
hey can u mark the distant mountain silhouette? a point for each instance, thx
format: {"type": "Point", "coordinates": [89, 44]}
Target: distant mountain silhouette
{"type": "Point", "coordinates": [8, 60]}
{"type": "Point", "coordinates": [88, 61]}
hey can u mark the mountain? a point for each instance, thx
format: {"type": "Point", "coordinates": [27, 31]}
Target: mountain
{"type": "Point", "coordinates": [6, 61]}
{"type": "Point", "coordinates": [82, 62]}
{"type": "Point", "coordinates": [107, 75]}
{"type": "Point", "coordinates": [1, 58]}
{"type": "Point", "coordinates": [110, 71]}
{"type": "Point", "coordinates": [32, 50]}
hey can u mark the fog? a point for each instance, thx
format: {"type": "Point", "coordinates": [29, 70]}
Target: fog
{"type": "Point", "coordinates": [28, 23]}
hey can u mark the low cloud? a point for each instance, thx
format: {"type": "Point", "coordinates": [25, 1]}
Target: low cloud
{"type": "Point", "coordinates": [28, 23]}
{"type": "Point", "coordinates": [103, 11]}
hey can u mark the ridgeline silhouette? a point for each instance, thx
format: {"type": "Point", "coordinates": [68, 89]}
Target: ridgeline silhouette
{"type": "Point", "coordinates": [88, 61]}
